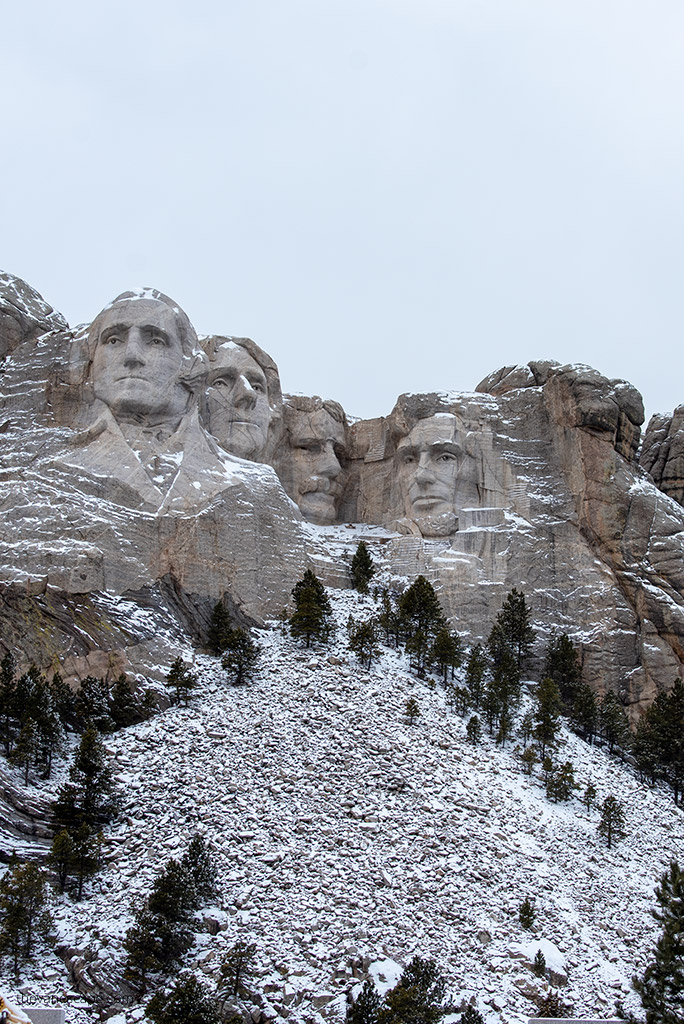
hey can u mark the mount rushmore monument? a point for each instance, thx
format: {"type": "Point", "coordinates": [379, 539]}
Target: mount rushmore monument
{"type": "Point", "coordinates": [146, 473]}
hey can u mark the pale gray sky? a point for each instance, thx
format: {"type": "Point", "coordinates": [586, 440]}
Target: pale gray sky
{"type": "Point", "coordinates": [387, 195]}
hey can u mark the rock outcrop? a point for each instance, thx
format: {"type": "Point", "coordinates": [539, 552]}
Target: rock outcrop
{"type": "Point", "coordinates": [662, 453]}
{"type": "Point", "coordinates": [125, 519]}
{"type": "Point", "coordinates": [93, 505]}
{"type": "Point", "coordinates": [546, 497]}
{"type": "Point", "coordinates": [24, 314]}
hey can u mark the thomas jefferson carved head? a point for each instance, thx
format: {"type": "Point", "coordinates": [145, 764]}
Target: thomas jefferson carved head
{"type": "Point", "coordinates": [145, 363]}
{"type": "Point", "coordinates": [430, 464]}
{"type": "Point", "coordinates": [312, 456]}
{"type": "Point", "coordinates": [243, 399]}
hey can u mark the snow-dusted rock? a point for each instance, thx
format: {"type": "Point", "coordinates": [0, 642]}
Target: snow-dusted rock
{"type": "Point", "coordinates": [118, 537]}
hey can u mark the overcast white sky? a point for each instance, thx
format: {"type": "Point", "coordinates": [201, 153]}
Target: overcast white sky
{"type": "Point", "coordinates": [387, 195]}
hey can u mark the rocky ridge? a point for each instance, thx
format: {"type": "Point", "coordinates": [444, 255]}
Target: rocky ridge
{"type": "Point", "coordinates": [549, 498]}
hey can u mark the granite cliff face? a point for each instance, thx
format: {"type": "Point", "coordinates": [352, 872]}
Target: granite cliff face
{"type": "Point", "coordinates": [662, 453]}
{"type": "Point", "coordinates": [125, 518]}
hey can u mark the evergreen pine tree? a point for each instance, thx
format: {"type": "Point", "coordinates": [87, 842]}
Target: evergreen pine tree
{"type": "Point", "coordinates": [312, 617]}
{"type": "Point", "coordinates": [502, 692]}
{"type": "Point", "coordinates": [219, 628]}
{"type": "Point", "coordinates": [63, 700]}
{"type": "Point", "coordinates": [362, 568]}
{"type": "Point", "coordinates": [124, 708]}
{"type": "Point", "coordinates": [173, 896]}
{"type": "Point", "coordinates": [546, 714]}
{"type": "Point", "coordinates": [447, 651]}
{"type": "Point", "coordinates": [612, 823]}
{"type": "Point", "coordinates": [91, 704]}
{"type": "Point", "coordinates": [418, 998]}
{"type": "Point", "coordinates": [514, 622]}
{"type": "Point", "coordinates": [411, 710]}
{"type": "Point", "coordinates": [614, 723]}
{"type": "Point", "coordinates": [539, 964]}
{"type": "Point", "coordinates": [201, 872]}
{"type": "Point", "coordinates": [561, 783]}
{"type": "Point", "coordinates": [672, 741]}
{"type": "Point", "coordinates": [61, 856]}
{"type": "Point", "coordinates": [471, 1016]}
{"type": "Point", "coordinates": [584, 712]}
{"type": "Point", "coordinates": [8, 670]}
{"type": "Point", "coordinates": [589, 796]}
{"type": "Point", "coordinates": [550, 1005]}
{"type": "Point", "coordinates": [187, 1002]}
{"type": "Point", "coordinates": [388, 619]}
{"type": "Point", "coordinates": [364, 1009]}
{"type": "Point", "coordinates": [475, 674]}
{"type": "Point", "coordinates": [237, 964]}
{"type": "Point", "coordinates": [527, 726]}
{"type": "Point", "coordinates": [153, 945]}
{"type": "Point", "coordinates": [474, 730]}
{"type": "Point", "coordinates": [505, 725]}
{"type": "Point", "coordinates": [459, 697]}
{"type": "Point", "coordinates": [25, 751]}
{"type": "Point", "coordinates": [23, 911]}
{"type": "Point", "coordinates": [529, 758]}
{"type": "Point", "coordinates": [363, 641]}
{"type": "Point", "coordinates": [648, 746]}
{"type": "Point", "coordinates": [662, 986]}
{"type": "Point", "coordinates": [86, 848]}
{"type": "Point", "coordinates": [526, 913]}
{"type": "Point", "coordinates": [240, 655]}
{"type": "Point", "coordinates": [49, 729]}
{"type": "Point", "coordinates": [181, 679]}
{"type": "Point", "coordinates": [88, 797]}
{"type": "Point", "coordinates": [548, 769]}
{"type": "Point", "coordinates": [562, 664]}
{"type": "Point", "coordinates": [421, 619]}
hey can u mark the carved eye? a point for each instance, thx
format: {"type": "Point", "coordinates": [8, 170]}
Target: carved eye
{"type": "Point", "coordinates": [226, 380]}
{"type": "Point", "coordinates": [156, 339]}
{"type": "Point", "coordinates": [446, 457]}
{"type": "Point", "coordinates": [111, 339]}
{"type": "Point", "coordinates": [257, 385]}
{"type": "Point", "coordinates": [408, 459]}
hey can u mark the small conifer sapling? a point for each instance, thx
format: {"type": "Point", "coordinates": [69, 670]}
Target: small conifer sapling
{"type": "Point", "coordinates": [526, 913]}
{"type": "Point", "coordinates": [612, 824]}
{"type": "Point", "coordinates": [539, 964]}
{"type": "Point", "coordinates": [412, 710]}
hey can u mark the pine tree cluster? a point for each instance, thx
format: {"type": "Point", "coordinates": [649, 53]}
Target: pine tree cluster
{"type": "Point", "coordinates": [83, 806]}
{"type": "Point", "coordinates": [659, 741]}
{"type": "Point", "coordinates": [24, 913]}
{"type": "Point", "coordinates": [37, 712]}
{"type": "Point", "coordinates": [417, 998]}
{"type": "Point", "coordinates": [162, 933]}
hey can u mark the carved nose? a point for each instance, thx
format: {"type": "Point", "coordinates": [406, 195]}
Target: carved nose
{"type": "Point", "coordinates": [329, 464]}
{"type": "Point", "coordinates": [134, 354]}
{"type": "Point", "coordinates": [245, 395]}
{"type": "Point", "coordinates": [424, 473]}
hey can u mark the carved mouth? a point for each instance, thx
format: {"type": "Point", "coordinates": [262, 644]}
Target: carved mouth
{"type": "Point", "coordinates": [429, 501]}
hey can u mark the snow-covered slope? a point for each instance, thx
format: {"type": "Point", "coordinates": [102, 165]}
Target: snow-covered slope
{"type": "Point", "coordinates": [346, 837]}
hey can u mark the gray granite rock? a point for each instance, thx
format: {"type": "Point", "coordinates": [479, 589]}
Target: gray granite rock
{"type": "Point", "coordinates": [662, 453]}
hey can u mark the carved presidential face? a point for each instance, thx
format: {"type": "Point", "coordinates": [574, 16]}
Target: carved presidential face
{"type": "Point", "coordinates": [237, 402]}
{"type": "Point", "coordinates": [317, 449]}
{"type": "Point", "coordinates": [137, 362]}
{"type": "Point", "coordinates": [429, 461]}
